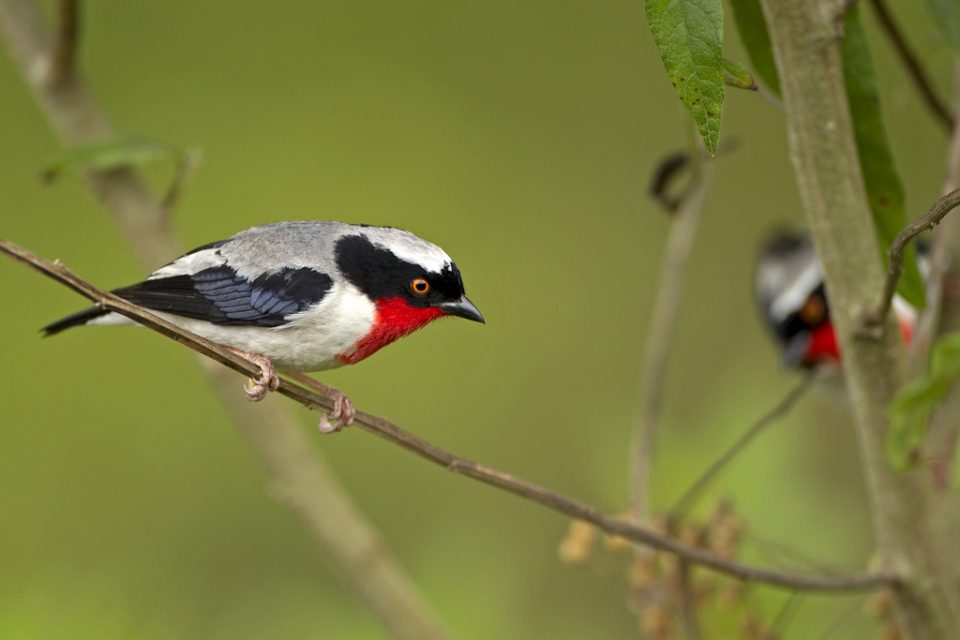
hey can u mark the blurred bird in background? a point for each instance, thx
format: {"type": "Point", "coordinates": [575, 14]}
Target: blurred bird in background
{"type": "Point", "coordinates": [794, 305]}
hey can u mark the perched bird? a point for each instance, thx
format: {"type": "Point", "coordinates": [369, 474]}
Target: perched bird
{"type": "Point", "coordinates": [793, 302]}
{"type": "Point", "coordinates": [300, 296]}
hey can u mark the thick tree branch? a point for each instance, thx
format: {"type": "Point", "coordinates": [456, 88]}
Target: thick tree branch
{"type": "Point", "coordinates": [938, 108]}
{"type": "Point", "coordinates": [383, 428]}
{"type": "Point", "coordinates": [825, 160]}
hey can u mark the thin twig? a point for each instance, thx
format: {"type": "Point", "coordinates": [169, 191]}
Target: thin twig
{"type": "Point", "coordinates": [687, 602]}
{"type": "Point", "coordinates": [64, 54]}
{"type": "Point", "coordinates": [383, 428]}
{"type": "Point", "coordinates": [940, 208]}
{"type": "Point", "coordinates": [690, 496]}
{"type": "Point", "coordinates": [915, 70]}
{"type": "Point", "coordinates": [787, 611]}
{"type": "Point", "coordinates": [657, 344]}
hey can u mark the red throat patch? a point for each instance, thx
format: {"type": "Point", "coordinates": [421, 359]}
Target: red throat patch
{"type": "Point", "coordinates": [823, 345]}
{"type": "Point", "coordinates": [394, 319]}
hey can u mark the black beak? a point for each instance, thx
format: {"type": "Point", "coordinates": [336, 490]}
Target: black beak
{"type": "Point", "coordinates": [462, 308]}
{"type": "Point", "coordinates": [796, 349]}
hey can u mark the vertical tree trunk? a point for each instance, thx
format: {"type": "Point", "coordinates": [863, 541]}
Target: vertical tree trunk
{"type": "Point", "coordinates": [806, 40]}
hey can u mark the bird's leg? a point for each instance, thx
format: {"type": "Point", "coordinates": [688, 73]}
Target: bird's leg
{"type": "Point", "coordinates": [343, 410]}
{"type": "Point", "coordinates": [257, 389]}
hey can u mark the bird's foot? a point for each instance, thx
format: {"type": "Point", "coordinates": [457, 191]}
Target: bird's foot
{"type": "Point", "coordinates": [343, 412]}
{"type": "Point", "coordinates": [256, 389]}
{"type": "Point", "coordinates": [342, 415]}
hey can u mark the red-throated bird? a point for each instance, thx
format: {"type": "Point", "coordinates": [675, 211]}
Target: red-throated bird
{"type": "Point", "coordinates": [301, 296]}
{"type": "Point", "coordinates": [789, 285]}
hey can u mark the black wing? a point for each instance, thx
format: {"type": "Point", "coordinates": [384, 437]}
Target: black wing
{"type": "Point", "coordinates": [221, 296]}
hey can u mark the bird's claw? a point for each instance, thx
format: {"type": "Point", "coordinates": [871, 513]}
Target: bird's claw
{"type": "Point", "coordinates": [342, 415]}
{"type": "Point", "coordinates": [256, 389]}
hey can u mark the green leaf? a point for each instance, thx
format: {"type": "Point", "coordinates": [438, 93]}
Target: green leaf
{"type": "Point", "coordinates": [689, 38]}
{"type": "Point", "coordinates": [111, 154]}
{"type": "Point", "coordinates": [753, 34]}
{"type": "Point", "coordinates": [738, 76]}
{"type": "Point", "coordinates": [880, 176]}
{"type": "Point", "coordinates": [911, 407]}
{"type": "Point", "coordinates": [946, 13]}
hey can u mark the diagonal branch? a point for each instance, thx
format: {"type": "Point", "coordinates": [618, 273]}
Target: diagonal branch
{"type": "Point", "coordinates": [689, 497]}
{"type": "Point", "coordinates": [915, 70]}
{"type": "Point", "coordinates": [383, 428]}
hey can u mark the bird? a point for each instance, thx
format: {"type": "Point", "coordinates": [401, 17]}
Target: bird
{"type": "Point", "coordinates": [793, 301]}
{"type": "Point", "coordinates": [300, 296]}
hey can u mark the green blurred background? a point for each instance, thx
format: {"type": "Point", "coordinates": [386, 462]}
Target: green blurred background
{"type": "Point", "coordinates": [520, 137]}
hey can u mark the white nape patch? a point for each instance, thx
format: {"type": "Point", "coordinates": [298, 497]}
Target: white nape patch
{"type": "Point", "coordinates": [904, 311]}
{"type": "Point", "coordinates": [796, 292]}
{"type": "Point", "coordinates": [110, 320]}
{"type": "Point", "coordinates": [190, 264]}
{"type": "Point", "coordinates": [409, 247]}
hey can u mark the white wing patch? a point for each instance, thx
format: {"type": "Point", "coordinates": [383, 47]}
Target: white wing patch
{"type": "Point", "coordinates": [190, 264]}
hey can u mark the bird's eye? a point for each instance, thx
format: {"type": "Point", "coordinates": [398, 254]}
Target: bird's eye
{"type": "Point", "coordinates": [813, 310]}
{"type": "Point", "coordinates": [420, 286]}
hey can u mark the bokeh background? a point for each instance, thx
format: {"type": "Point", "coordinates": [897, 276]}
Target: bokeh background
{"type": "Point", "coordinates": [520, 137]}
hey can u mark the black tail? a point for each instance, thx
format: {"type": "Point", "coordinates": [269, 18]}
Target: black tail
{"type": "Point", "coordinates": [74, 320]}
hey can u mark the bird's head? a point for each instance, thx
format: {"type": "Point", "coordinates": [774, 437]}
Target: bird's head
{"type": "Point", "coordinates": [410, 281]}
{"type": "Point", "coordinates": [793, 302]}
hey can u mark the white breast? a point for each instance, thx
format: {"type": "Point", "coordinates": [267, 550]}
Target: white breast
{"type": "Point", "coordinates": [309, 342]}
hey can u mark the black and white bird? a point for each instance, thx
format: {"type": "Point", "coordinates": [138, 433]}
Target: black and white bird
{"type": "Point", "coordinates": [794, 305]}
{"type": "Point", "coordinates": [301, 296]}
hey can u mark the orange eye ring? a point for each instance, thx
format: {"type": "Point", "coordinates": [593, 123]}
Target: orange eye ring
{"type": "Point", "coordinates": [420, 286]}
{"type": "Point", "coordinates": [813, 310]}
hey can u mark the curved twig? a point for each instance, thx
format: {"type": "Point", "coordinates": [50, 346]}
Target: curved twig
{"type": "Point", "coordinates": [383, 428]}
{"type": "Point", "coordinates": [940, 208]}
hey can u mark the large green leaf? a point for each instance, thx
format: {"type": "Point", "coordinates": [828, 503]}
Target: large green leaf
{"type": "Point", "coordinates": [880, 175]}
{"type": "Point", "coordinates": [122, 151]}
{"type": "Point", "coordinates": [753, 34]}
{"type": "Point", "coordinates": [689, 37]}
{"type": "Point", "coordinates": [946, 13]}
{"type": "Point", "coordinates": [911, 407]}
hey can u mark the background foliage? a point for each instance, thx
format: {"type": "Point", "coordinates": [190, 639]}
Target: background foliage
{"type": "Point", "coordinates": [520, 136]}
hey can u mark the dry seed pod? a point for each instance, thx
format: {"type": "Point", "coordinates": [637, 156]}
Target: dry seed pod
{"type": "Point", "coordinates": [577, 546]}
{"type": "Point", "coordinates": [617, 543]}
